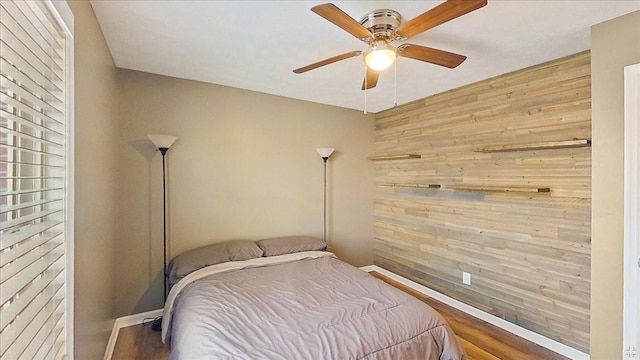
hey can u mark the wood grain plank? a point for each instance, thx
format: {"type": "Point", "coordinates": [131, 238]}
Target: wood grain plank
{"type": "Point", "coordinates": [394, 157]}
{"type": "Point", "coordinates": [480, 339]}
{"type": "Point", "coordinates": [537, 146]}
{"type": "Point", "coordinates": [529, 251]}
{"type": "Point", "coordinates": [514, 188]}
{"type": "Point", "coordinates": [139, 342]}
{"type": "Point", "coordinates": [422, 186]}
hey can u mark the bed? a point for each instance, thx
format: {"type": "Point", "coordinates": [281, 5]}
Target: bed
{"type": "Point", "coordinates": [300, 304]}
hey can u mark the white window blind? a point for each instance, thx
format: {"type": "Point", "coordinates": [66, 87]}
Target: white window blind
{"type": "Point", "coordinates": [33, 178]}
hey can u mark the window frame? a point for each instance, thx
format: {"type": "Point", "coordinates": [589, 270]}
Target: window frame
{"type": "Point", "coordinates": [62, 12]}
{"type": "Point", "coordinates": [59, 14]}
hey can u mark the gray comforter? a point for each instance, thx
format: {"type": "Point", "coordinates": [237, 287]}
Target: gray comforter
{"type": "Point", "coordinates": [313, 308]}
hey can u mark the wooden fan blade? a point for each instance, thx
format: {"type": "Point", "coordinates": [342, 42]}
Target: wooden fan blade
{"type": "Point", "coordinates": [430, 55]}
{"type": "Point", "coordinates": [327, 61]}
{"type": "Point", "coordinates": [342, 20]}
{"type": "Point", "coordinates": [372, 79]}
{"type": "Point", "coordinates": [440, 14]}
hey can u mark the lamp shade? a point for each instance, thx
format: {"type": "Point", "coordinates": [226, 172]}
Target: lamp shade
{"type": "Point", "coordinates": [162, 141]}
{"type": "Point", "coordinates": [380, 56]}
{"type": "Point", "coordinates": [325, 152]}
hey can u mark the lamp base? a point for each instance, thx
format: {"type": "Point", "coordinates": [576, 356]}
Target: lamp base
{"type": "Point", "coordinates": [156, 325]}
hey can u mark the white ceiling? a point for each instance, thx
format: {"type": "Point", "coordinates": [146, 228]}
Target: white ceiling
{"type": "Point", "coordinates": [255, 45]}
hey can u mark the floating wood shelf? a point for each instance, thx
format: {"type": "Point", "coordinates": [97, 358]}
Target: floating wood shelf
{"type": "Point", "coordinates": [537, 146]}
{"type": "Point", "coordinates": [420, 186]}
{"type": "Point", "coordinates": [527, 189]}
{"type": "Point", "coordinates": [394, 157]}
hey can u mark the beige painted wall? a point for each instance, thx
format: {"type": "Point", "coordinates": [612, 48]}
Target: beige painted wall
{"type": "Point", "coordinates": [244, 167]}
{"type": "Point", "coordinates": [614, 44]}
{"type": "Point", "coordinates": [95, 184]}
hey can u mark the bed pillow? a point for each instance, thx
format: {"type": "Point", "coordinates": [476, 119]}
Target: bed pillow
{"type": "Point", "coordinates": [192, 260]}
{"type": "Point", "coordinates": [290, 244]}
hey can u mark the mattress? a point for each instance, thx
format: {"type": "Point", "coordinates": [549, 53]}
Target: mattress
{"type": "Point", "coordinates": [307, 305]}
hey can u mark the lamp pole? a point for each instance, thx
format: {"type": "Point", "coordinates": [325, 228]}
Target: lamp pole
{"type": "Point", "coordinates": [162, 143]}
{"type": "Point", "coordinates": [163, 151]}
{"type": "Point", "coordinates": [324, 153]}
{"type": "Point", "coordinates": [324, 201]}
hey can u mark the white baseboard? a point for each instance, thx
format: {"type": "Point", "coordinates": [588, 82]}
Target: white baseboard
{"type": "Point", "coordinates": [124, 322]}
{"type": "Point", "coordinates": [529, 335]}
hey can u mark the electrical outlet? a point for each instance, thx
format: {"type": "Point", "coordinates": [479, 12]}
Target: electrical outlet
{"type": "Point", "coordinates": [466, 278]}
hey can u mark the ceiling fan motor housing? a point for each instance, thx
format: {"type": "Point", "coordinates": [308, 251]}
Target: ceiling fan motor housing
{"type": "Point", "coordinates": [382, 23]}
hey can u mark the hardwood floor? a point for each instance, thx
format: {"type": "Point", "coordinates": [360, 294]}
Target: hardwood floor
{"type": "Point", "coordinates": [481, 340]}
{"type": "Point", "coordinates": [139, 342]}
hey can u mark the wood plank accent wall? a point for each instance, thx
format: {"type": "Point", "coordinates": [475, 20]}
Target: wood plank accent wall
{"type": "Point", "coordinates": [528, 252]}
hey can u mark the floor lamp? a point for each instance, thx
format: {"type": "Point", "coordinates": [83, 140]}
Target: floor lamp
{"type": "Point", "coordinates": [162, 143]}
{"type": "Point", "coordinates": [325, 153]}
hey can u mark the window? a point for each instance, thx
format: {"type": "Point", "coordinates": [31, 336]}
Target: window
{"type": "Point", "coordinates": [36, 219]}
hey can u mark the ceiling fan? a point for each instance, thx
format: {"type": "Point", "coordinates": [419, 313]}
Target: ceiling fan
{"type": "Point", "coordinates": [380, 28]}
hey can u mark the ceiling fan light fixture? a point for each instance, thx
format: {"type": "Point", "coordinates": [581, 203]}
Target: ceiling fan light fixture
{"type": "Point", "coordinates": [379, 28]}
{"type": "Point", "coordinates": [380, 55]}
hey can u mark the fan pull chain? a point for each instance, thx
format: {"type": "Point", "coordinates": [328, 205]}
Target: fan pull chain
{"type": "Point", "coordinates": [365, 89]}
{"type": "Point", "coordinates": [395, 83]}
